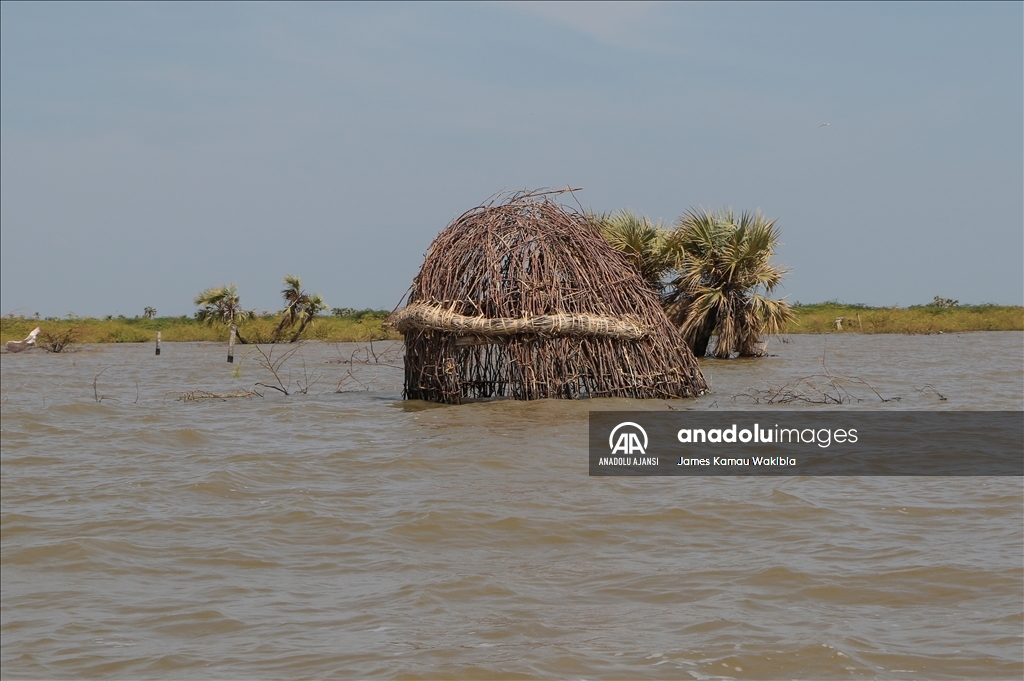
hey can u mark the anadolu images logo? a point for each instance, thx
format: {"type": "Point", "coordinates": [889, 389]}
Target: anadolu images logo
{"type": "Point", "coordinates": [628, 442]}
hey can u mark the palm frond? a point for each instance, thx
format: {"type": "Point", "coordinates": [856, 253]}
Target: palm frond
{"type": "Point", "coordinates": [641, 241]}
{"type": "Point", "coordinates": [220, 303]}
{"type": "Point", "coordinates": [722, 263]}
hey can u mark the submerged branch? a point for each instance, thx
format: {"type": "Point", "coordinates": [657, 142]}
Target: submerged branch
{"type": "Point", "coordinates": [808, 389]}
{"type": "Point", "coordinates": [196, 395]}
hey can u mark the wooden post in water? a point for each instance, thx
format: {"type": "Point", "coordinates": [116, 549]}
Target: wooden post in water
{"type": "Point", "coordinates": [157, 343]}
{"type": "Point", "coordinates": [231, 345]}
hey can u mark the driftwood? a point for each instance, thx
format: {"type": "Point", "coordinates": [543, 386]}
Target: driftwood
{"type": "Point", "coordinates": [197, 395]}
{"type": "Point", "coordinates": [18, 346]}
{"type": "Point", "coordinates": [525, 299]}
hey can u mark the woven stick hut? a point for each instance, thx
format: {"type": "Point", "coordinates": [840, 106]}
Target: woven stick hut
{"type": "Point", "coordinates": [526, 300]}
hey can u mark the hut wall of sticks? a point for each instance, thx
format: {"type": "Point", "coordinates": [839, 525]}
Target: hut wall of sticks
{"type": "Point", "coordinates": [525, 299]}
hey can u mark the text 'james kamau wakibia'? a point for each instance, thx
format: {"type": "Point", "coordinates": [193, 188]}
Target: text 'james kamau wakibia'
{"type": "Point", "coordinates": [738, 461]}
{"type": "Point", "coordinates": [823, 437]}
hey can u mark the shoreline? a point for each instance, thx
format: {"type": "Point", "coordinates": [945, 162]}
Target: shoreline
{"type": "Point", "coordinates": [819, 318]}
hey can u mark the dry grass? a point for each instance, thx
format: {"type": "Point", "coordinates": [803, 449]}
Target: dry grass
{"type": "Point", "coordinates": [367, 327]}
{"type": "Point", "coordinates": [924, 319]}
{"type": "Point", "coordinates": [817, 318]}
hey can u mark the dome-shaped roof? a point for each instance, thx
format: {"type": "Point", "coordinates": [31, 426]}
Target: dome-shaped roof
{"type": "Point", "coordinates": [525, 299]}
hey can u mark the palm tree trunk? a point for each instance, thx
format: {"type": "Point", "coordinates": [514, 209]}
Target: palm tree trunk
{"type": "Point", "coordinates": [302, 327]}
{"type": "Point", "coordinates": [729, 326]}
{"type": "Point", "coordinates": [703, 337]}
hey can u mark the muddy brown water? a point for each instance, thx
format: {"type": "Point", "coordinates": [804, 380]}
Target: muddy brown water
{"type": "Point", "coordinates": [352, 535]}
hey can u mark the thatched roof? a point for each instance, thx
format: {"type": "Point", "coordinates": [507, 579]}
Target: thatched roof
{"type": "Point", "coordinates": [526, 300]}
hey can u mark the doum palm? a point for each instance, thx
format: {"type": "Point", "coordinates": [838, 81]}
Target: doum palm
{"type": "Point", "coordinates": [723, 281]}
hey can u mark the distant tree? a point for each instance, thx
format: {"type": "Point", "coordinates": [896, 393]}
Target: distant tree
{"type": "Point", "coordinates": [294, 301]}
{"type": "Point", "coordinates": [149, 312]}
{"type": "Point", "coordinates": [724, 278]}
{"type": "Point", "coordinates": [221, 304]}
{"type": "Point", "coordinates": [314, 307]}
{"type": "Point", "coordinates": [300, 308]}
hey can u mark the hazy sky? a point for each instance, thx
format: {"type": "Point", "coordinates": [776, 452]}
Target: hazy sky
{"type": "Point", "coordinates": [149, 151]}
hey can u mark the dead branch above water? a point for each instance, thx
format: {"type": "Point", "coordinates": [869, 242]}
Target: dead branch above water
{"type": "Point", "coordinates": [367, 356]}
{"type": "Point", "coordinates": [824, 388]}
{"type": "Point", "coordinates": [931, 389]}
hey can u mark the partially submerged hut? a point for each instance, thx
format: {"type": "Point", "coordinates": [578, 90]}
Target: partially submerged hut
{"type": "Point", "coordinates": [526, 300]}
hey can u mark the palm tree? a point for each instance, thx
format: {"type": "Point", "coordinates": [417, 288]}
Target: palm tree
{"type": "Point", "coordinates": [643, 244]}
{"type": "Point", "coordinates": [311, 310]}
{"type": "Point", "coordinates": [294, 300]}
{"type": "Point", "coordinates": [300, 307]}
{"type": "Point", "coordinates": [724, 278]}
{"type": "Point", "coordinates": [221, 304]}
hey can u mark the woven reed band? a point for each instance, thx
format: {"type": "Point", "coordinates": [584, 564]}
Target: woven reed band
{"type": "Point", "coordinates": [420, 316]}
